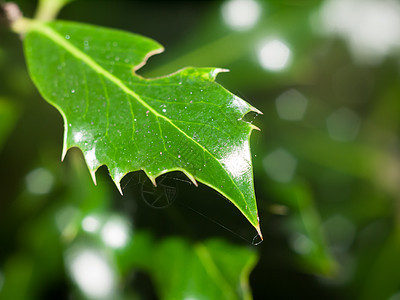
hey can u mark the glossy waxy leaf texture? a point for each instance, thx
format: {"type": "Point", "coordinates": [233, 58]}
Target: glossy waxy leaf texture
{"type": "Point", "coordinates": [184, 121]}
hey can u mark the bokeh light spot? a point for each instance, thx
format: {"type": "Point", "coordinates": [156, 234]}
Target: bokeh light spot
{"type": "Point", "coordinates": [115, 232]}
{"type": "Point", "coordinates": [241, 14]}
{"type": "Point", "coordinates": [39, 181]}
{"type": "Point", "coordinates": [343, 125]}
{"type": "Point", "coordinates": [91, 224]}
{"type": "Point", "coordinates": [65, 219]}
{"type": "Point", "coordinates": [280, 165]}
{"type": "Point", "coordinates": [370, 27]}
{"type": "Point", "coordinates": [92, 273]}
{"type": "Point", "coordinates": [291, 105]}
{"type": "Point", "coordinates": [274, 55]}
{"type": "Point", "coordinates": [340, 231]}
{"type": "Point", "coordinates": [301, 244]}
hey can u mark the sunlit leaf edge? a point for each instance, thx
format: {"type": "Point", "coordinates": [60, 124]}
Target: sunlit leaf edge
{"type": "Point", "coordinates": [213, 72]}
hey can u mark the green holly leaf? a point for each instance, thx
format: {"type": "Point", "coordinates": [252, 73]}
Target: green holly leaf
{"type": "Point", "coordinates": [181, 122]}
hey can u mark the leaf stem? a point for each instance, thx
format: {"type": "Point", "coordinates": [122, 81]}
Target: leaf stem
{"type": "Point", "coordinates": [11, 16]}
{"type": "Point", "coordinates": [9, 13]}
{"type": "Point", "coordinates": [48, 10]}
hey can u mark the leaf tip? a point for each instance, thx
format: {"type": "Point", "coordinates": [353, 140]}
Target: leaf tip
{"type": "Point", "coordinates": [258, 239]}
{"type": "Point", "coordinates": [259, 232]}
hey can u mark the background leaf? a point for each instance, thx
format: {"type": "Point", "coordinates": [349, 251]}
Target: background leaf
{"type": "Point", "coordinates": [8, 118]}
{"type": "Point", "coordinates": [212, 269]}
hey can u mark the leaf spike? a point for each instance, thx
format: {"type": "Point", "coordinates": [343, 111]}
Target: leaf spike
{"type": "Point", "coordinates": [192, 179]}
{"type": "Point", "coordinates": [216, 71]}
{"type": "Point", "coordinates": [256, 110]}
{"type": "Point", "coordinates": [119, 188]}
{"type": "Point", "coordinates": [64, 152]}
{"type": "Point", "coordinates": [93, 174]}
{"type": "Point", "coordinates": [63, 155]}
{"type": "Point", "coordinates": [153, 180]}
{"type": "Point", "coordinates": [255, 127]}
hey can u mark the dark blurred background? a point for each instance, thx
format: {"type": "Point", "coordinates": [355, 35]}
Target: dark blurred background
{"type": "Point", "coordinates": [325, 74]}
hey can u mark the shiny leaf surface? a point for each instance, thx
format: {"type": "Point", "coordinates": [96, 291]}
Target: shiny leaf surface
{"type": "Point", "coordinates": [184, 121]}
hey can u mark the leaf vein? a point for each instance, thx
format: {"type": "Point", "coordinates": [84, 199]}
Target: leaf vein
{"type": "Point", "coordinates": [57, 38]}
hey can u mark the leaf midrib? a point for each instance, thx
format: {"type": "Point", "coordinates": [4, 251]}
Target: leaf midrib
{"type": "Point", "coordinates": [58, 39]}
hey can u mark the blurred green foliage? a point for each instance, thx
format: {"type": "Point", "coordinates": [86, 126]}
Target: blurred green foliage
{"type": "Point", "coordinates": [327, 165]}
{"type": "Point", "coordinates": [8, 117]}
